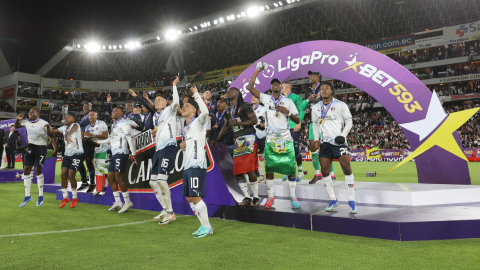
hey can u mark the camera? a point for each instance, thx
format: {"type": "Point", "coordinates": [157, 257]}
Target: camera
{"type": "Point", "coordinates": [262, 120]}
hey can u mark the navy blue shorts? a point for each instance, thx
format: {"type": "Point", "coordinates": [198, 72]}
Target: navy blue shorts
{"type": "Point", "coordinates": [261, 145]}
{"type": "Point", "coordinates": [194, 182]}
{"type": "Point", "coordinates": [35, 156]}
{"type": "Point", "coordinates": [118, 163]}
{"type": "Point", "coordinates": [332, 151]}
{"type": "Point", "coordinates": [164, 160]}
{"type": "Point", "coordinates": [72, 162]}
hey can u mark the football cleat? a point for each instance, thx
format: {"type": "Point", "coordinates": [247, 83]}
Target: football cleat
{"type": "Point", "coordinates": [116, 206]}
{"type": "Point", "coordinates": [74, 202]}
{"type": "Point", "coordinates": [64, 202]}
{"type": "Point", "coordinates": [305, 172]}
{"type": "Point", "coordinates": [353, 208]}
{"type": "Point", "coordinates": [295, 204]}
{"type": "Point", "coordinates": [125, 207]}
{"type": "Point", "coordinates": [103, 191]}
{"type": "Point", "coordinates": [269, 202]}
{"type": "Point", "coordinates": [95, 193]}
{"type": "Point", "coordinates": [161, 215]}
{"type": "Point", "coordinates": [101, 170]}
{"type": "Point", "coordinates": [204, 232]}
{"type": "Point", "coordinates": [285, 178]}
{"type": "Point", "coordinates": [167, 219]}
{"type": "Point", "coordinates": [331, 205]}
{"type": "Point", "coordinates": [198, 230]}
{"type": "Point", "coordinates": [25, 201]}
{"type": "Point", "coordinates": [246, 202]}
{"type": "Point", "coordinates": [315, 179]}
{"type": "Point", "coordinates": [91, 188]}
{"type": "Point", "coordinates": [255, 202]}
{"type": "Point", "coordinates": [300, 176]}
{"type": "Point", "coordinates": [82, 187]}
{"type": "Point", "coordinates": [40, 201]}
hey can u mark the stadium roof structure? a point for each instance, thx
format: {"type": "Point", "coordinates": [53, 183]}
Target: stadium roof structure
{"type": "Point", "coordinates": [246, 38]}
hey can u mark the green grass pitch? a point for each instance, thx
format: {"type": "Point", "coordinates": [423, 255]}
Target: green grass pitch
{"type": "Point", "coordinates": [105, 240]}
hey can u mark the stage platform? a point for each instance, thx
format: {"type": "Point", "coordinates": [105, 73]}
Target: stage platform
{"type": "Point", "coordinates": [10, 175]}
{"type": "Point", "coordinates": [385, 210]}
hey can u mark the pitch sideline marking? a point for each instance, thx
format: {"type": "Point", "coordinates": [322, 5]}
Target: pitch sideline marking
{"type": "Point", "coordinates": [83, 229]}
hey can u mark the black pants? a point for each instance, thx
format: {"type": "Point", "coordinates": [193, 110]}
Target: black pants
{"type": "Point", "coordinates": [296, 146]}
{"type": "Point", "coordinates": [10, 151]}
{"type": "Point", "coordinates": [89, 154]}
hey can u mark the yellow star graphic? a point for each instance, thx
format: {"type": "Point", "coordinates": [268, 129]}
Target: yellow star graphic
{"type": "Point", "coordinates": [354, 66]}
{"type": "Point", "coordinates": [443, 137]}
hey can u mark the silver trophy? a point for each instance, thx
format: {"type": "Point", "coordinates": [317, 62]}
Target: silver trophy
{"type": "Point", "coordinates": [64, 112]}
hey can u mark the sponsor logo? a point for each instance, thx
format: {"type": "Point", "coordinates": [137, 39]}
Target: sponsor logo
{"type": "Point", "coordinates": [374, 153]}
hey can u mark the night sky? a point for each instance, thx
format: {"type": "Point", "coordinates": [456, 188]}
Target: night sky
{"type": "Point", "coordinates": [37, 30]}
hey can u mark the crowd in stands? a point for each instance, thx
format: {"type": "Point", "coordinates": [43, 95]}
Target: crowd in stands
{"type": "Point", "coordinates": [5, 106]}
{"type": "Point", "coordinates": [437, 53]}
{"type": "Point", "coordinates": [28, 92]}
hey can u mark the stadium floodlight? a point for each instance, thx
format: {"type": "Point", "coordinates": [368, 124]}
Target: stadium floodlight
{"type": "Point", "coordinates": [104, 47]}
{"type": "Point", "coordinates": [232, 17]}
{"type": "Point", "coordinates": [215, 22]}
{"type": "Point", "coordinates": [85, 46]}
{"type": "Point", "coordinates": [79, 46]}
{"type": "Point", "coordinates": [275, 4]}
{"type": "Point", "coordinates": [252, 12]}
{"type": "Point", "coordinates": [158, 38]}
{"type": "Point", "coordinates": [171, 34]}
{"type": "Point", "coordinates": [120, 47]}
{"type": "Point", "coordinates": [239, 16]}
{"type": "Point", "coordinates": [114, 47]}
{"type": "Point", "coordinates": [267, 7]}
{"type": "Point", "coordinates": [208, 23]}
{"type": "Point", "coordinates": [261, 9]}
{"type": "Point", "coordinates": [126, 46]}
{"type": "Point", "coordinates": [179, 32]}
{"type": "Point", "coordinates": [228, 18]}
{"type": "Point", "coordinates": [190, 29]}
{"type": "Point", "coordinates": [110, 47]}
{"type": "Point", "coordinates": [221, 20]}
{"type": "Point", "coordinates": [195, 27]}
{"type": "Point", "coordinates": [289, 2]}
{"type": "Point", "coordinates": [93, 47]}
{"type": "Point", "coordinates": [280, 3]}
{"type": "Point", "coordinates": [243, 14]}
{"type": "Point", "coordinates": [137, 44]}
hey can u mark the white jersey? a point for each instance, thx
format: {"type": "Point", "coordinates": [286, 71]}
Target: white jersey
{"type": "Point", "coordinates": [75, 147]}
{"type": "Point", "coordinates": [97, 129]}
{"type": "Point", "coordinates": [180, 124]}
{"type": "Point", "coordinates": [36, 132]}
{"type": "Point", "coordinates": [194, 136]}
{"type": "Point", "coordinates": [119, 143]}
{"type": "Point", "coordinates": [260, 111]}
{"type": "Point", "coordinates": [277, 124]}
{"type": "Point", "coordinates": [334, 120]}
{"type": "Point", "coordinates": [165, 123]}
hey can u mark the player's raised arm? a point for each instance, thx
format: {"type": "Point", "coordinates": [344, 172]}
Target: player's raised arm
{"type": "Point", "coordinates": [251, 84]}
{"type": "Point", "coordinates": [17, 121]}
{"type": "Point", "coordinates": [51, 131]}
{"type": "Point", "coordinates": [176, 99]}
{"type": "Point", "coordinates": [202, 116]}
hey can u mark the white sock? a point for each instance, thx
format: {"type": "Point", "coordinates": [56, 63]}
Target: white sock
{"type": "Point", "coordinates": [270, 187]}
{"type": "Point", "coordinates": [255, 189]}
{"type": "Point", "coordinates": [126, 197]}
{"type": "Point", "coordinates": [65, 193]}
{"type": "Point", "coordinates": [27, 182]}
{"type": "Point", "coordinates": [332, 173]}
{"type": "Point", "coordinates": [243, 186]}
{"type": "Point", "coordinates": [116, 194]}
{"type": "Point", "coordinates": [158, 193]}
{"type": "Point", "coordinates": [260, 169]}
{"type": "Point", "coordinates": [192, 205]}
{"type": "Point", "coordinates": [166, 194]}
{"type": "Point", "coordinates": [202, 213]}
{"type": "Point", "coordinates": [40, 182]}
{"type": "Point", "coordinates": [349, 180]}
{"type": "Point", "coordinates": [317, 172]}
{"type": "Point", "coordinates": [74, 193]}
{"type": "Point", "coordinates": [300, 168]}
{"type": "Point", "coordinates": [328, 186]}
{"type": "Point", "coordinates": [292, 185]}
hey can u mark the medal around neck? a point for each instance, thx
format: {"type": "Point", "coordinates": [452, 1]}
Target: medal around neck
{"type": "Point", "coordinates": [320, 121]}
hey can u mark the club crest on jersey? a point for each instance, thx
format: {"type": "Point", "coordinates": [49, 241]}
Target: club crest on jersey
{"type": "Point", "coordinates": [333, 109]}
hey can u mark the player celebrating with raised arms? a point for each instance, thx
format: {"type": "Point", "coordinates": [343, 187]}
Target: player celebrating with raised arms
{"type": "Point", "coordinates": [164, 120]}
{"type": "Point", "coordinates": [332, 119]}
{"type": "Point", "coordinates": [195, 160]}
{"type": "Point", "coordinates": [37, 151]}
{"type": "Point", "coordinates": [121, 143]}
{"type": "Point", "coordinates": [279, 149]}
{"type": "Point", "coordinates": [72, 159]}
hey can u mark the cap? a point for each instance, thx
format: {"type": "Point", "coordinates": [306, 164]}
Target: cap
{"type": "Point", "coordinates": [315, 73]}
{"type": "Point", "coordinates": [275, 80]}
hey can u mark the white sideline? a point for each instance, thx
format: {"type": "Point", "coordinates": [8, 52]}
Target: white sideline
{"type": "Point", "coordinates": [79, 230]}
